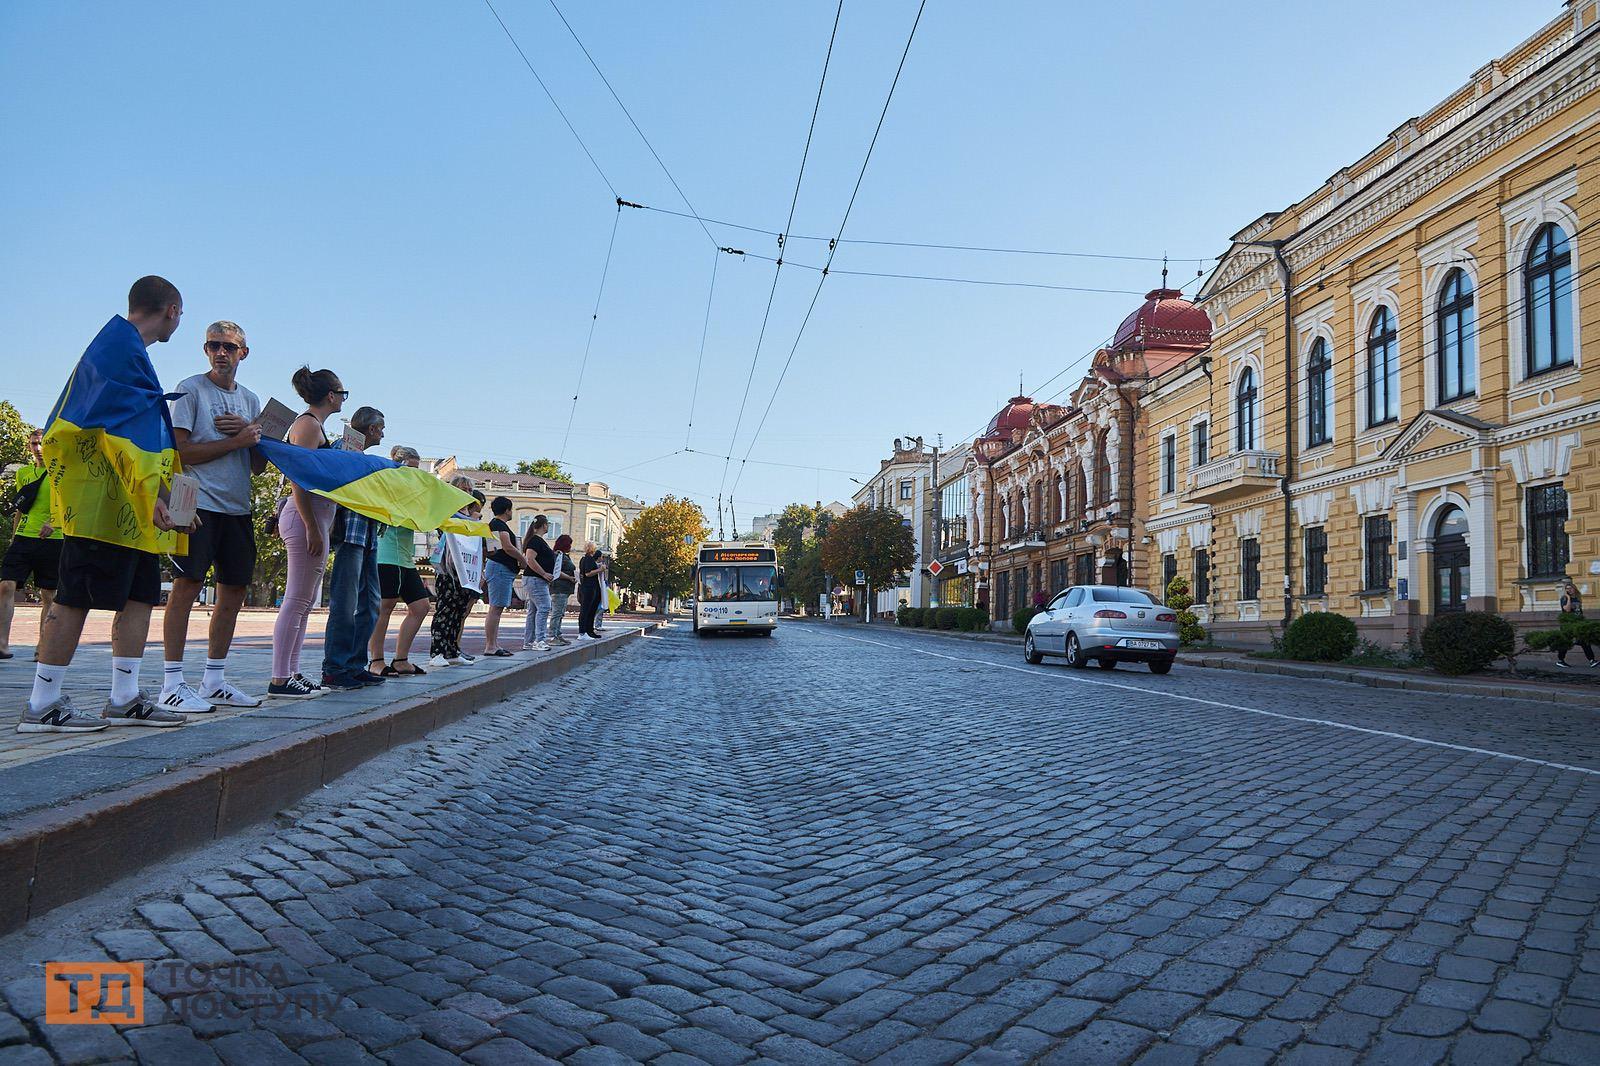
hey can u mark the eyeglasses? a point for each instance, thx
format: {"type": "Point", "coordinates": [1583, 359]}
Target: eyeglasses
{"type": "Point", "coordinates": [343, 394]}
{"type": "Point", "coordinates": [213, 347]}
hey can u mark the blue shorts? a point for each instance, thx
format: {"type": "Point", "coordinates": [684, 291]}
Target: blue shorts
{"type": "Point", "coordinates": [501, 578]}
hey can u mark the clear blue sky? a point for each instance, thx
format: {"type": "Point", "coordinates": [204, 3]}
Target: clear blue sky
{"type": "Point", "coordinates": [382, 188]}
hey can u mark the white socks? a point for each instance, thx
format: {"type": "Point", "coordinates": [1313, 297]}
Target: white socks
{"type": "Point", "coordinates": [212, 678]}
{"type": "Point", "coordinates": [46, 686]}
{"type": "Point", "coordinates": [124, 679]}
{"type": "Point", "coordinates": [171, 675]}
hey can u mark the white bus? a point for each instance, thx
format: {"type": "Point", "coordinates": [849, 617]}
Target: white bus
{"type": "Point", "coordinates": [737, 585]}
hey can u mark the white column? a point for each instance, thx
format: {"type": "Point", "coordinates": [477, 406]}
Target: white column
{"type": "Point", "coordinates": [1405, 506]}
{"type": "Point", "coordinates": [1480, 540]}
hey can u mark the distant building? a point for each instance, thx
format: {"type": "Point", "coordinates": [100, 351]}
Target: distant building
{"type": "Point", "coordinates": [585, 511]}
{"type": "Point", "coordinates": [902, 484]}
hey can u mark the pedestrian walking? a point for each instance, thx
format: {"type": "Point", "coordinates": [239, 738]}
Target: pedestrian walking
{"type": "Point", "coordinates": [304, 522]}
{"type": "Point", "coordinates": [214, 425]}
{"type": "Point", "coordinates": [399, 582]}
{"type": "Point", "coordinates": [455, 594]}
{"type": "Point", "coordinates": [111, 436]}
{"type": "Point", "coordinates": [591, 570]}
{"type": "Point", "coordinates": [353, 591]}
{"type": "Point", "coordinates": [35, 550]}
{"type": "Point", "coordinates": [539, 561]}
{"type": "Point", "coordinates": [505, 561]}
{"type": "Point", "coordinates": [1572, 611]}
{"type": "Point", "coordinates": [563, 583]}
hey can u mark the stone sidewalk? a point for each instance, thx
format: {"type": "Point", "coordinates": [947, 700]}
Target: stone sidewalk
{"type": "Point", "coordinates": [77, 811]}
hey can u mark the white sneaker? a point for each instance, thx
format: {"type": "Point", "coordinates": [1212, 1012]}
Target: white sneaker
{"type": "Point", "coordinates": [541, 646]}
{"type": "Point", "coordinates": [458, 660]}
{"type": "Point", "coordinates": [184, 700]}
{"type": "Point", "coordinates": [227, 695]}
{"type": "Point", "coordinates": [468, 659]}
{"type": "Point", "coordinates": [439, 662]}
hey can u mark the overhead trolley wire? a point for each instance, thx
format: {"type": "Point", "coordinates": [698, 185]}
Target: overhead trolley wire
{"type": "Point", "coordinates": [794, 200]}
{"type": "Point", "coordinates": [551, 96]}
{"type": "Point", "coordinates": [636, 128]}
{"type": "Point", "coordinates": [594, 318]}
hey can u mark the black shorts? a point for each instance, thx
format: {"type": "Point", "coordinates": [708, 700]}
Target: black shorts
{"type": "Point", "coordinates": [401, 583]}
{"type": "Point", "coordinates": [33, 557]}
{"type": "Point", "coordinates": [226, 541]}
{"type": "Point", "coordinates": [106, 577]}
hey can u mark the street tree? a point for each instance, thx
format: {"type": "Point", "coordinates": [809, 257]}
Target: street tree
{"type": "Point", "coordinates": [548, 469]}
{"type": "Point", "coordinates": [272, 563]}
{"type": "Point", "coordinates": [491, 467]}
{"type": "Point", "coordinates": [804, 575]}
{"type": "Point", "coordinates": [875, 540]}
{"type": "Point", "coordinates": [657, 553]}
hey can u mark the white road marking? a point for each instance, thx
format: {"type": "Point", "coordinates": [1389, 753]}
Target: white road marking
{"type": "Point", "coordinates": [1035, 672]}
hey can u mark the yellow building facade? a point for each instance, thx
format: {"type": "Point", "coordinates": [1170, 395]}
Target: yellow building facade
{"type": "Point", "coordinates": [1399, 411]}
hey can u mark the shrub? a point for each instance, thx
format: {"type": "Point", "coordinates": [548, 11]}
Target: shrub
{"type": "Point", "coordinates": [1466, 641]}
{"type": "Point", "coordinates": [1190, 631]}
{"type": "Point", "coordinates": [945, 617]}
{"type": "Point", "coordinates": [978, 620]}
{"type": "Point", "coordinates": [1020, 619]}
{"type": "Point", "coordinates": [1321, 636]}
{"type": "Point", "coordinates": [1573, 630]}
{"type": "Point", "coordinates": [909, 616]}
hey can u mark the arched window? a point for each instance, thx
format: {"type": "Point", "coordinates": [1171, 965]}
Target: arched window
{"type": "Point", "coordinates": [1383, 369]}
{"type": "Point", "coordinates": [1319, 395]}
{"type": "Point", "coordinates": [1547, 301]}
{"type": "Point", "coordinates": [1244, 411]}
{"type": "Point", "coordinates": [1458, 338]}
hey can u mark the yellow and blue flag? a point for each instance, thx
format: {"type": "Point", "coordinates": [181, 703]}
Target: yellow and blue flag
{"type": "Point", "coordinates": [108, 445]}
{"type": "Point", "coordinates": [379, 489]}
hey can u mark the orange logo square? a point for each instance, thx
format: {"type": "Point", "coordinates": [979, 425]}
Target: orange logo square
{"type": "Point", "coordinates": [94, 993]}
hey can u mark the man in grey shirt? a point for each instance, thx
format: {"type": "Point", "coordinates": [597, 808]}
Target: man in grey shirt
{"type": "Point", "coordinates": [214, 423]}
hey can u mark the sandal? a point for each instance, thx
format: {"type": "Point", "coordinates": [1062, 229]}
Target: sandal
{"type": "Point", "coordinates": [415, 671]}
{"type": "Point", "coordinates": [382, 671]}
{"type": "Point", "coordinates": [498, 653]}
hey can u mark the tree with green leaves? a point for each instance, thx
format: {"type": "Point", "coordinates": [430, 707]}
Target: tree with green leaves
{"type": "Point", "coordinates": [489, 466]}
{"type": "Point", "coordinates": [872, 539]}
{"type": "Point", "coordinates": [804, 576]}
{"type": "Point", "coordinates": [272, 564]}
{"type": "Point", "coordinates": [14, 432]}
{"type": "Point", "coordinates": [657, 553]}
{"type": "Point", "coordinates": [548, 469]}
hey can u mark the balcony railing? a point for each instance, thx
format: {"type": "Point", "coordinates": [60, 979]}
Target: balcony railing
{"type": "Point", "coordinates": [1234, 475]}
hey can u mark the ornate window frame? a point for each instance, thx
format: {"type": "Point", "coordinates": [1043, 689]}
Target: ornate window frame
{"type": "Point", "coordinates": [1380, 290]}
{"type": "Point", "coordinates": [1523, 217]}
{"type": "Point", "coordinates": [1437, 259]}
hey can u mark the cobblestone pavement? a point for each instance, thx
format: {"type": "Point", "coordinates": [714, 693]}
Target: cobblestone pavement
{"type": "Point", "coordinates": [835, 847]}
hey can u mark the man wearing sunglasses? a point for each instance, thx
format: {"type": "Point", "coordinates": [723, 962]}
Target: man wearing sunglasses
{"type": "Point", "coordinates": [215, 424]}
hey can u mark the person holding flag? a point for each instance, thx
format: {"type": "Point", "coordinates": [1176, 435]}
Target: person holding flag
{"type": "Point", "coordinates": [35, 549]}
{"type": "Point", "coordinates": [110, 456]}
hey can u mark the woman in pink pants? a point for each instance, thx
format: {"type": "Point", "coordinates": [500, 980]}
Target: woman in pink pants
{"type": "Point", "coordinates": [303, 523]}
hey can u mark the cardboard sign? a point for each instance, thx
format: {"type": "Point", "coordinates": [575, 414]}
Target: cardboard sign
{"type": "Point", "coordinates": [468, 555]}
{"type": "Point", "coordinates": [182, 499]}
{"type": "Point", "coordinates": [275, 420]}
{"type": "Point", "coordinates": [354, 439]}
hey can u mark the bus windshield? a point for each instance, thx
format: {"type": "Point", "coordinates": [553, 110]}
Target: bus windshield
{"type": "Point", "coordinates": [721, 584]}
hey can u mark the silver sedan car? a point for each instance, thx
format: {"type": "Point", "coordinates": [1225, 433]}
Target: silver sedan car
{"type": "Point", "coordinates": [1106, 623]}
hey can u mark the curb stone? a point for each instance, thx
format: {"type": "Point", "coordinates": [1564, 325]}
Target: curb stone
{"type": "Point", "coordinates": [55, 855]}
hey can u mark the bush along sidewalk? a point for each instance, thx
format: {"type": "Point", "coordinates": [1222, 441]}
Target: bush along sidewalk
{"type": "Point", "coordinates": [962, 619]}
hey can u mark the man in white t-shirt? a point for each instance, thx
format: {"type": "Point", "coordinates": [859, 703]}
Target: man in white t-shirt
{"type": "Point", "coordinates": [215, 424]}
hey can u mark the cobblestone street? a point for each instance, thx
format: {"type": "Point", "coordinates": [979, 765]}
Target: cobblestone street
{"type": "Point", "coordinates": [845, 845]}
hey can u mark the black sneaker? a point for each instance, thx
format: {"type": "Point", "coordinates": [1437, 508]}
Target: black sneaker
{"type": "Point", "coordinates": [367, 677]}
{"type": "Point", "coordinates": [340, 683]}
{"type": "Point", "coordinates": [296, 688]}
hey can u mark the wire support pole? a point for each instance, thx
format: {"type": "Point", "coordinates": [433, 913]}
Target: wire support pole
{"type": "Point", "coordinates": [594, 317]}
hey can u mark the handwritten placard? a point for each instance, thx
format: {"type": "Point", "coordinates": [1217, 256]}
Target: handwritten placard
{"type": "Point", "coordinates": [183, 499]}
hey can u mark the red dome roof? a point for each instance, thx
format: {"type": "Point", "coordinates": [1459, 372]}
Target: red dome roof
{"type": "Point", "coordinates": [1014, 415]}
{"type": "Point", "coordinates": [1164, 321]}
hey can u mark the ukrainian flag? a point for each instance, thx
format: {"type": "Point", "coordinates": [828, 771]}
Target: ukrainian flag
{"type": "Point", "coordinates": [108, 446]}
{"type": "Point", "coordinates": [378, 488]}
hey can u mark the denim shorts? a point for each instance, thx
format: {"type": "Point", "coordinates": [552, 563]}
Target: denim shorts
{"type": "Point", "coordinates": [500, 581]}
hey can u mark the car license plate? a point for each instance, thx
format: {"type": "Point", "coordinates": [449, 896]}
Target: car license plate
{"type": "Point", "coordinates": [1150, 645]}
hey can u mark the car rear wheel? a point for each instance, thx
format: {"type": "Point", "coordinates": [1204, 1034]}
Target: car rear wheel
{"type": "Point", "coordinates": [1106, 664]}
{"type": "Point", "coordinates": [1075, 652]}
{"type": "Point", "coordinates": [1030, 654]}
{"type": "Point", "coordinates": [1163, 666]}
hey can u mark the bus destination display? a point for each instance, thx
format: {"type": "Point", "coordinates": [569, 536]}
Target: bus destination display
{"type": "Point", "coordinates": [739, 555]}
